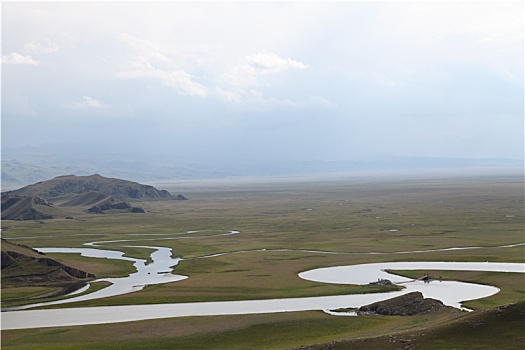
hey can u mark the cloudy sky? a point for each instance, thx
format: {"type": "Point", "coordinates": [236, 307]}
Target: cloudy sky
{"type": "Point", "coordinates": [265, 81]}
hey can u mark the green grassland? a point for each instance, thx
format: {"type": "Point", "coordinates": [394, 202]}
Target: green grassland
{"type": "Point", "coordinates": [286, 226]}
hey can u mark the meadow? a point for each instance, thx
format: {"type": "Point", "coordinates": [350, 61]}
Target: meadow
{"type": "Point", "coordinates": [286, 225]}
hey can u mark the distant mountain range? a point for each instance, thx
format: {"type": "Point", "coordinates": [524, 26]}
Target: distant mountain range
{"type": "Point", "coordinates": [50, 198]}
{"type": "Point", "coordinates": [21, 169]}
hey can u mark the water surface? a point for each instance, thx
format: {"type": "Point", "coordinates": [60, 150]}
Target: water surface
{"type": "Point", "coordinates": [450, 292]}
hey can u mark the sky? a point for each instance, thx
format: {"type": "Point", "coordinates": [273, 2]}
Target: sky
{"type": "Point", "coordinates": [260, 81]}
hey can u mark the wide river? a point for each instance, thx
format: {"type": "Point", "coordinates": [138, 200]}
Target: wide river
{"type": "Point", "coordinates": [159, 271]}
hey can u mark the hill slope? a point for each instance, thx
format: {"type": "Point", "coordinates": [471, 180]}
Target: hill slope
{"type": "Point", "coordinates": [16, 207]}
{"type": "Point", "coordinates": [23, 267]}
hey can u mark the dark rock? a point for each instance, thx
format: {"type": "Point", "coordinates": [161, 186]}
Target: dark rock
{"type": "Point", "coordinates": [7, 260]}
{"type": "Point", "coordinates": [96, 210]}
{"type": "Point", "coordinates": [120, 205]}
{"type": "Point", "coordinates": [405, 305]}
{"type": "Point", "coordinates": [181, 197]}
{"type": "Point", "coordinates": [101, 208]}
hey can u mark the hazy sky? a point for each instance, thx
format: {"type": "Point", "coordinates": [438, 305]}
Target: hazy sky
{"type": "Point", "coordinates": [261, 80]}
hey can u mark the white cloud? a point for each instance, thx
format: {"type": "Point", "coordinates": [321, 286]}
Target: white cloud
{"type": "Point", "coordinates": [383, 80]}
{"type": "Point", "coordinates": [256, 100]}
{"type": "Point", "coordinates": [251, 66]}
{"type": "Point", "coordinates": [42, 46]}
{"type": "Point", "coordinates": [159, 62]}
{"type": "Point", "coordinates": [238, 81]}
{"type": "Point", "coordinates": [228, 95]}
{"type": "Point", "coordinates": [87, 102]}
{"type": "Point", "coordinates": [483, 34]}
{"type": "Point", "coordinates": [16, 58]}
{"type": "Point", "coordinates": [269, 62]}
{"type": "Point", "coordinates": [158, 65]}
{"type": "Point", "coordinates": [178, 78]}
{"type": "Point", "coordinates": [180, 65]}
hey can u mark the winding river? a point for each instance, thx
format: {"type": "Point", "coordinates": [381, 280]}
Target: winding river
{"type": "Point", "coordinates": [451, 293]}
{"type": "Point", "coordinates": [157, 272]}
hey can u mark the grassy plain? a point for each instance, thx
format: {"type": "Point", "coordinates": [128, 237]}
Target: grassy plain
{"type": "Point", "coordinates": [286, 226]}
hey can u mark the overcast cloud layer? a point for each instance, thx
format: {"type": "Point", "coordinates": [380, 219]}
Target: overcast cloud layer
{"type": "Point", "coordinates": [268, 81]}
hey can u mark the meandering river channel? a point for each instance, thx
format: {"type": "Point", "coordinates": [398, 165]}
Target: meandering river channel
{"type": "Point", "coordinates": [159, 271]}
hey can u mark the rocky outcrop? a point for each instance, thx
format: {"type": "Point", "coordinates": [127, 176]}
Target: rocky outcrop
{"type": "Point", "coordinates": [405, 305]}
{"type": "Point", "coordinates": [122, 206]}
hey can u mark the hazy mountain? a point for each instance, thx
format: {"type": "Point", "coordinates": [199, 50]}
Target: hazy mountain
{"type": "Point", "coordinates": [20, 169]}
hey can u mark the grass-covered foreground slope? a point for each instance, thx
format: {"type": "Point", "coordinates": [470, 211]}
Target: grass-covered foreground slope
{"type": "Point", "coordinates": [498, 328]}
{"type": "Point", "coordinates": [286, 227]}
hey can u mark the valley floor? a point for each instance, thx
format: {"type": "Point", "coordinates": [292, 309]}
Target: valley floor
{"type": "Point", "coordinates": [286, 225]}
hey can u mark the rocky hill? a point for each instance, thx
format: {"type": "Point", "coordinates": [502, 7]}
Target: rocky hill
{"type": "Point", "coordinates": [92, 188]}
{"type": "Point", "coordinates": [95, 194]}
